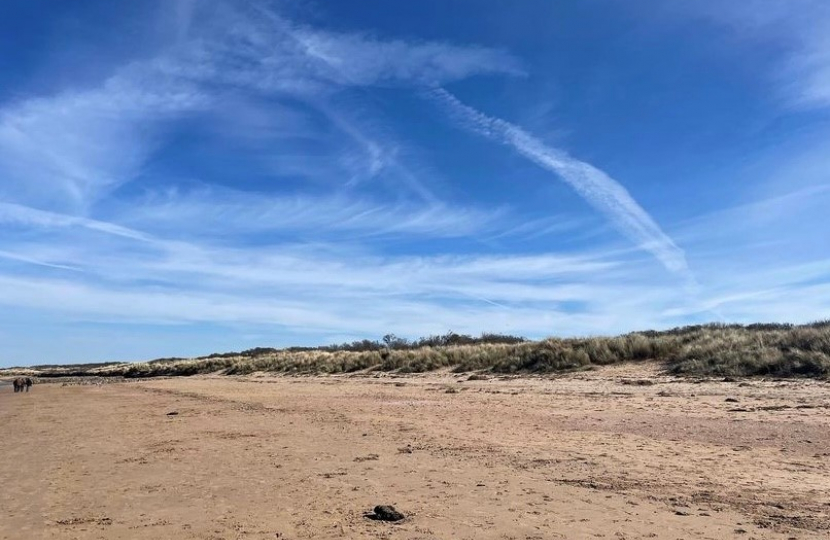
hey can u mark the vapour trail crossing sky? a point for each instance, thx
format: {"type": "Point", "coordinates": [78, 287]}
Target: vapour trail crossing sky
{"type": "Point", "coordinates": [595, 186]}
{"type": "Point", "coordinates": [184, 177]}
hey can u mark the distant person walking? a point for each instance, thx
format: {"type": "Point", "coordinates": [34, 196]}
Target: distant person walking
{"type": "Point", "coordinates": [22, 383]}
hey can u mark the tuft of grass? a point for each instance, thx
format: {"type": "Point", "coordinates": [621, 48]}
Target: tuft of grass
{"type": "Point", "coordinates": [779, 350]}
{"type": "Point", "coordinates": [782, 352]}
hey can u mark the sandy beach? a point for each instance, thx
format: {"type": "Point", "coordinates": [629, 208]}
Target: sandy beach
{"type": "Point", "coordinates": [619, 452]}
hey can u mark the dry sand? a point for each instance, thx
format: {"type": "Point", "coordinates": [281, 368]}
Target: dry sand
{"type": "Point", "coordinates": [588, 455]}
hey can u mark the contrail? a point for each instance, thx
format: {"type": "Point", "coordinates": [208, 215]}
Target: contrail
{"type": "Point", "coordinates": [597, 188]}
{"type": "Point", "coordinates": [22, 258]}
{"type": "Point", "coordinates": [16, 213]}
{"type": "Point", "coordinates": [378, 158]}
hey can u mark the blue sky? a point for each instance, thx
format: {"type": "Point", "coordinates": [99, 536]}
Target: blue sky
{"type": "Point", "coordinates": [181, 177]}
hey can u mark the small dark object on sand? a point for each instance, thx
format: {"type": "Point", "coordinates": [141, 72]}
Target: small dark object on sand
{"type": "Point", "coordinates": [172, 413]}
{"type": "Point", "coordinates": [731, 400]}
{"type": "Point", "coordinates": [637, 382]}
{"type": "Point", "coordinates": [385, 513]}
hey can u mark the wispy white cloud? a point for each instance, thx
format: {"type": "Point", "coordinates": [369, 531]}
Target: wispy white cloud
{"type": "Point", "coordinates": [790, 293]}
{"type": "Point", "coordinates": [182, 252]}
{"type": "Point", "coordinates": [797, 32]}
{"type": "Point", "coordinates": [547, 226]}
{"type": "Point", "coordinates": [31, 260]}
{"type": "Point", "coordinates": [597, 188]}
{"type": "Point", "coordinates": [351, 270]}
{"type": "Point", "coordinates": [303, 288]}
{"type": "Point", "coordinates": [254, 46]}
{"type": "Point", "coordinates": [321, 290]}
{"type": "Point", "coordinates": [16, 214]}
{"type": "Point", "coordinates": [761, 260]}
{"type": "Point", "coordinates": [356, 59]}
{"type": "Point", "coordinates": [68, 150]}
{"type": "Point", "coordinates": [330, 60]}
{"type": "Point", "coordinates": [307, 291]}
{"type": "Point", "coordinates": [366, 316]}
{"type": "Point", "coordinates": [347, 262]}
{"type": "Point", "coordinates": [212, 212]}
{"type": "Point", "coordinates": [377, 157]}
{"type": "Point", "coordinates": [65, 151]}
{"type": "Point", "coordinates": [791, 215]}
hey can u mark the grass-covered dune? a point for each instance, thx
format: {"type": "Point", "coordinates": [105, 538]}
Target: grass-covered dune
{"type": "Point", "coordinates": [779, 350]}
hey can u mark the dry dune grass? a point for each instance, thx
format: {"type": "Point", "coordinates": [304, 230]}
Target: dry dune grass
{"type": "Point", "coordinates": [707, 350]}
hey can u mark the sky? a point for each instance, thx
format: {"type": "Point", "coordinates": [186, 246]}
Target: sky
{"type": "Point", "coordinates": [181, 177]}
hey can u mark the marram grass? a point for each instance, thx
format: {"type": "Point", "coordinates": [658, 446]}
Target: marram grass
{"type": "Point", "coordinates": [778, 350]}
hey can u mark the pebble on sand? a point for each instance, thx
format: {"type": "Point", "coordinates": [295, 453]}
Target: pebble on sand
{"type": "Point", "coordinates": [386, 513]}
